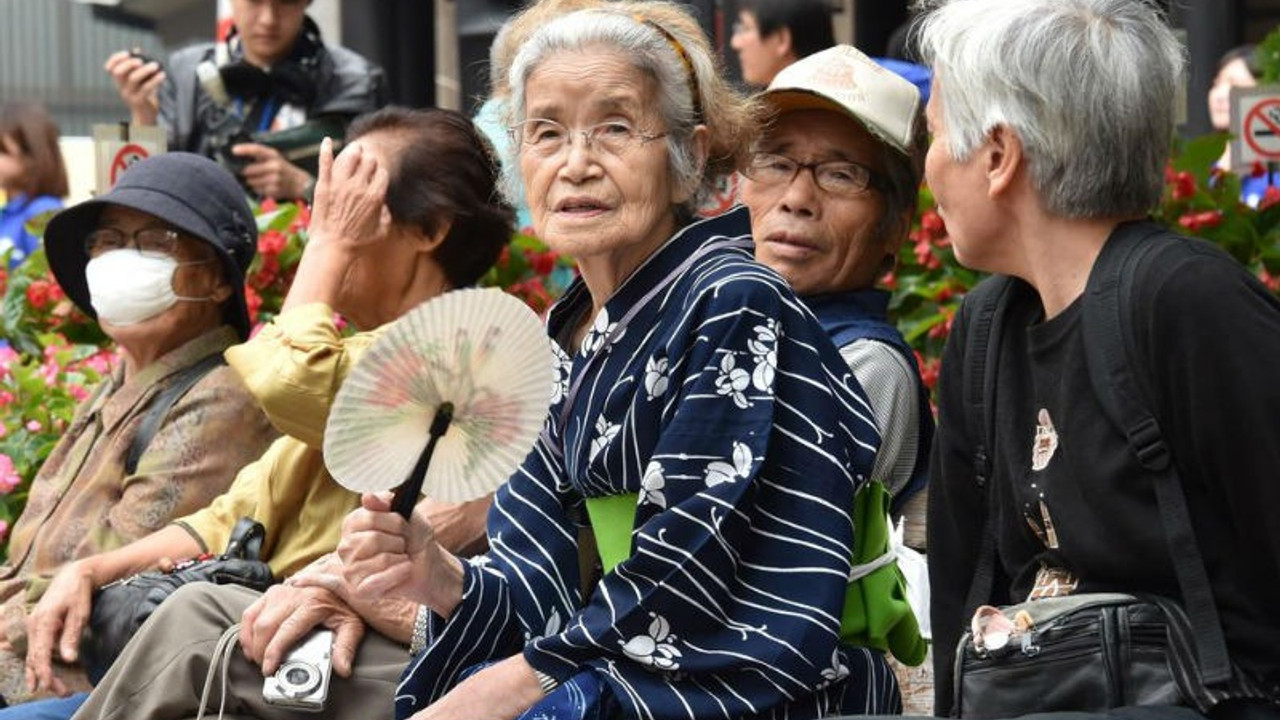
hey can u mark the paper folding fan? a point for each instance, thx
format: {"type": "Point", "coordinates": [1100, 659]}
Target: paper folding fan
{"type": "Point", "coordinates": [447, 402]}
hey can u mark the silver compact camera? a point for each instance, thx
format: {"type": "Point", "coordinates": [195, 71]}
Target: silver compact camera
{"type": "Point", "coordinates": [302, 680]}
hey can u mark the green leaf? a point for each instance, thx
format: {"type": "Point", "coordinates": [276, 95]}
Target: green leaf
{"type": "Point", "coordinates": [1198, 155]}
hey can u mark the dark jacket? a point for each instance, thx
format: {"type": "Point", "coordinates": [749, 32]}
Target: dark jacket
{"type": "Point", "coordinates": [342, 84]}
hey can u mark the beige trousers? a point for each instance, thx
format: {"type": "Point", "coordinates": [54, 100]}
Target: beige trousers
{"type": "Point", "coordinates": [161, 673]}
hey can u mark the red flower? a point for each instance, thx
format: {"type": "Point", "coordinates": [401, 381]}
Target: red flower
{"type": "Point", "coordinates": [932, 223]}
{"type": "Point", "coordinates": [38, 294]}
{"type": "Point", "coordinates": [1199, 220]}
{"type": "Point", "coordinates": [254, 302]}
{"type": "Point", "coordinates": [1270, 197]}
{"type": "Point", "coordinates": [1184, 186]}
{"type": "Point", "coordinates": [925, 256]}
{"type": "Point", "coordinates": [890, 280]}
{"type": "Point", "coordinates": [544, 262]}
{"type": "Point", "coordinates": [1271, 281]}
{"type": "Point", "coordinates": [271, 243]}
{"type": "Point", "coordinates": [302, 219]}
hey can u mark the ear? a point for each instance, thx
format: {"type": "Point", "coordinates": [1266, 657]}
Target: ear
{"type": "Point", "coordinates": [1003, 160]}
{"type": "Point", "coordinates": [430, 243]}
{"type": "Point", "coordinates": [700, 141]}
{"type": "Point", "coordinates": [221, 292]}
{"type": "Point", "coordinates": [785, 43]}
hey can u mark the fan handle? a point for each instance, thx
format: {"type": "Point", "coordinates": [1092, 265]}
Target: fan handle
{"type": "Point", "coordinates": [408, 493]}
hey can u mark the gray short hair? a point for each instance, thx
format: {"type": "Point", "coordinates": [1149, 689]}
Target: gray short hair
{"type": "Point", "coordinates": [1089, 86]}
{"type": "Point", "coordinates": [684, 100]}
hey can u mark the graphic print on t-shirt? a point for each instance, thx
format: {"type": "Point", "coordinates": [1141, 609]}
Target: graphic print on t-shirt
{"type": "Point", "coordinates": [1045, 442]}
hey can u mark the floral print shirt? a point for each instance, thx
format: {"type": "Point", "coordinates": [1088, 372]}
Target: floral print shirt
{"type": "Point", "coordinates": [708, 390]}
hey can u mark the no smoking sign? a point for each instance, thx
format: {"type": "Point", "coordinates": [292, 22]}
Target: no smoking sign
{"type": "Point", "coordinates": [126, 156]}
{"type": "Point", "coordinates": [1255, 124]}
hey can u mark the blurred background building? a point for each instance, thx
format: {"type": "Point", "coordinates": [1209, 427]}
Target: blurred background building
{"type": "Point", "coordinates": [435, 52]}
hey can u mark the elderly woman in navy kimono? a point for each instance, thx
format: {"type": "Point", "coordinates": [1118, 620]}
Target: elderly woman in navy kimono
{"type": "Point", "coordinates": [701, 408]}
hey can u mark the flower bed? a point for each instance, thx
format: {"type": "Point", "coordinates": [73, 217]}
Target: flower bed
{"type": "Point", "coordinates": [56, 354]}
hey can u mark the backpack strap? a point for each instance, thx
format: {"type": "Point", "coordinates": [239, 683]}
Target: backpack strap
{"type": "Point", "coordinates": [1107, 324]}
{"type": "Point", "coordinates": [986, 305]}
{"type": "Point", "coordinates": [183, 380]}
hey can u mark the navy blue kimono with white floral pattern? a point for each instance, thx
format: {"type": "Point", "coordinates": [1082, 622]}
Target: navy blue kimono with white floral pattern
{"type": "Point", "coordinates": [708, 389]}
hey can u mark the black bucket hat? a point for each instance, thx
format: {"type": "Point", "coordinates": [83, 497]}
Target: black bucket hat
{"type": "Point", "coordinates": [190, 192]}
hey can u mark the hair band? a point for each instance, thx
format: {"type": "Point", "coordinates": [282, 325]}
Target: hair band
{"type": "Point", "coordinates": [691, 75]}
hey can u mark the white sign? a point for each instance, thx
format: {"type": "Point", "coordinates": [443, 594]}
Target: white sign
{"type": "Point", "coordinates": [116, 147]}
{"type": "Point", "coordinates": [1255, 126]}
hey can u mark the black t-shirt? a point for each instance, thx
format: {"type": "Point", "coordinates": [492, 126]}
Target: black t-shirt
{"type": "Point", "coordinates": [1070, 493]}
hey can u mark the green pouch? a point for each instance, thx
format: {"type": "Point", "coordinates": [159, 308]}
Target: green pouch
{"type": "Point", "coordinates": [876, 612]}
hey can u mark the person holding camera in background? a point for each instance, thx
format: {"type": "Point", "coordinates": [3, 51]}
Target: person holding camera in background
{"type": "Point", "coordinates": [273, 73]}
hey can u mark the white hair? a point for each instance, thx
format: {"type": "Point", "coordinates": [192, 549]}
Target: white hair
{"type": "Point", "coordinates": [647, 49]}
{"type": "Point", "coordinates": [1089, 87]}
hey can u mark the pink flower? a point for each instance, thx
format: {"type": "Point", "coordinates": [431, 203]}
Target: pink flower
{"type": "Point", "coordinates": [78, 392]}
{"type": "Point", "coordinates": [50, 371]}
{"type": "Point", "coordinates": [34, 426]}
{"type": "Point", "coordinates": [100, 362]}
{"type": "Point", "coordinates": [4, 430]}
{"type": "Point", "coordinates": [6, 398]}
{"type": "Point", "coordinates": [9, 478]}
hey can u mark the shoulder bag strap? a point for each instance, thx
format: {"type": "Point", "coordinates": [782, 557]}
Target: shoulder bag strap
{"type": "Point", "coordinates": [1108, 332]}
{"type": "Point", "coordinates": [987, 303]}
{"type": "Point", "coordinates": [183, 380]}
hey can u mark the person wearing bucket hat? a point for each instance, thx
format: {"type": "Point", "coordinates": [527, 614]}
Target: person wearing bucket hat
{"type": "Point", "coordinates": [160, 261]}
{"type": "Point", "coordinates": [195, 202]}
{"type": "Point", "coordinates": [831, 187]}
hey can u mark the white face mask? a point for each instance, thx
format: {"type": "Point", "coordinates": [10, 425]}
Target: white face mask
{"type": "Point", "coordinates": [127, 287]}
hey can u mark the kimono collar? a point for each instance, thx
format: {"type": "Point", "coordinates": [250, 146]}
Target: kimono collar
{"type": "Point", "coordinates": [664, 261]}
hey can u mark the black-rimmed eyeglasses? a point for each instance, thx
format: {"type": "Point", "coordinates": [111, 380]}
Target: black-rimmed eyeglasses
{"type": "Point", "coordinates": [838, 177]}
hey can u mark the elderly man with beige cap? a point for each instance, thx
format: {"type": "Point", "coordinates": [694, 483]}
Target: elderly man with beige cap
{"type": "Point", "coordinates": [831, 187]}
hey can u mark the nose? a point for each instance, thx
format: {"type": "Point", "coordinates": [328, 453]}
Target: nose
{"type": "Point", "coordinates": [801, 196]}
{"type": "Point", "coordinates": [579, 163]}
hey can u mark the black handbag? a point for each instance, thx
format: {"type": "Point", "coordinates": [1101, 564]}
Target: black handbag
{"type": "Point", "coordinates": [1086, 652]}
{"type": "Point", "coordinates": [120, 608]}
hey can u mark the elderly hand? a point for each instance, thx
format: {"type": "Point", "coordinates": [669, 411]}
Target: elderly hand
{"type": "Point", "coordinates": [138, 83]}
{"type": "Point", "coordinates": [349, 207]}
{"type": "Point", "coordinates": [383, 554]}
{"type": "Point", "coordinates": [60, 617]}
{"type": "Point", "coordinates": [269, 174]}
{"type": "Point", "coordinates": [348, 215]}
{"type": "Point", "coordinates": [501, 691]}
{"type": "Point", "coordinates": [277, 621]}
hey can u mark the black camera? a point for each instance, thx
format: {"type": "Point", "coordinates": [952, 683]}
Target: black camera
{"type": "Point", "coordinates": [145, 58]}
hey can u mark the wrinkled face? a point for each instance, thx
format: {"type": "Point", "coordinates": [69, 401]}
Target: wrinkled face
{"type": "Point", "coordinates": [761, 57]}
{"type": "Point", "coordinates": [268, 28]}
{"type": "Point", "coordinates": [199, 275]}
{"type": "Point", "coordinates": [13, 167]}
{"type": "Point", "coordinates": [1233, 74]}
{"type": "Point", "coordinates": [819, 241]}
{"type": "Point", "coordinates": [959, 189]}
{"type": "Point", "coordinates": [604, 200]}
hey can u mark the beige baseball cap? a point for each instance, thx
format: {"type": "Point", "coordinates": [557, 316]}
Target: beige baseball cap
{"type": "Point", "coordinates": [843, 79]}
